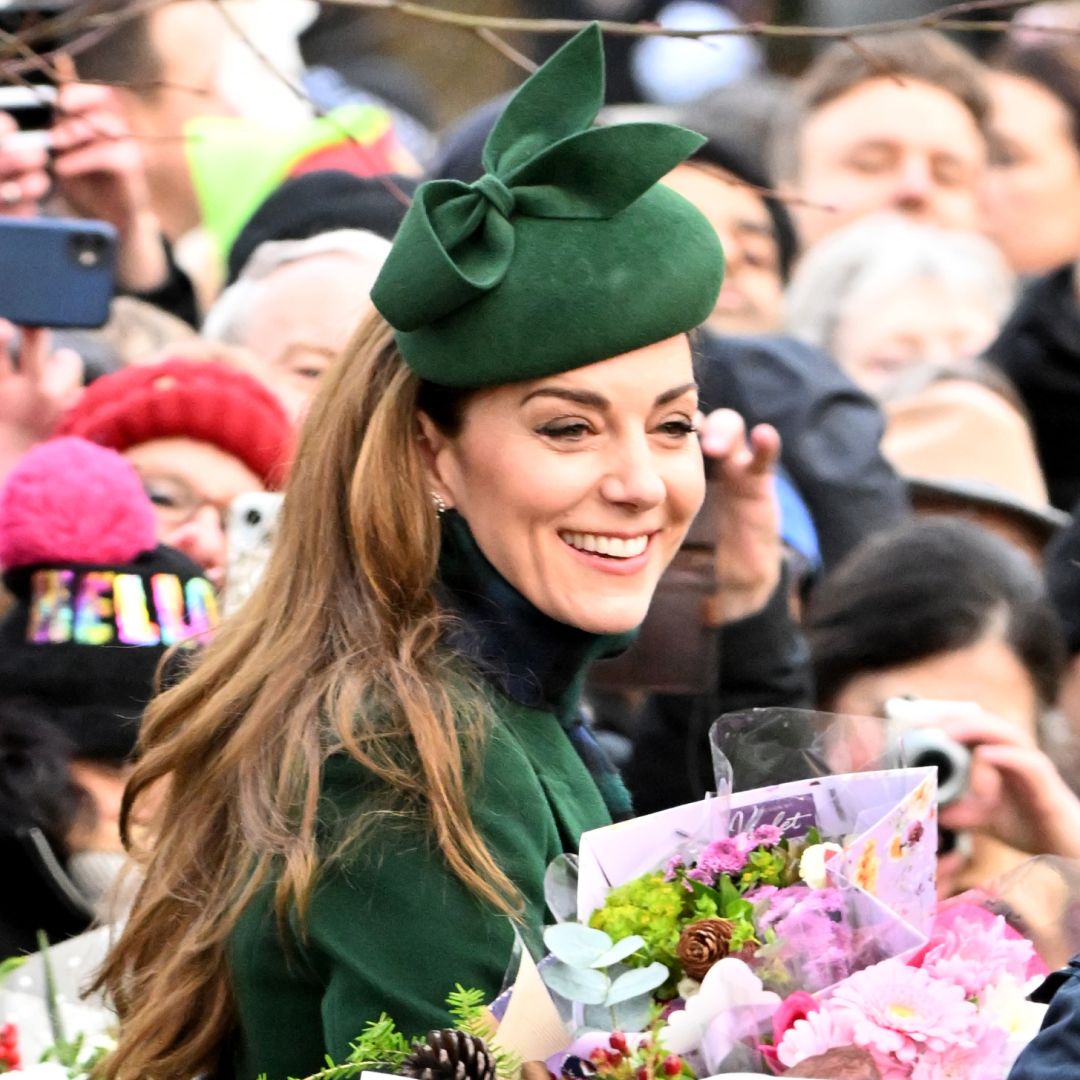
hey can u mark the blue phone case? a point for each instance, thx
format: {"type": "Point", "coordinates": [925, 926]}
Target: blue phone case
{"type": "Point", "coordinates": [56, 271]}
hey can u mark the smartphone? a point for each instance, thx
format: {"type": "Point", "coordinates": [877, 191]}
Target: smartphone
{"type": "Point", "coordinates": [33, 108]}
{"type": "Point", "coordinates": [56, 272]}
{"type": "Point", "coordinates": [250, 529]}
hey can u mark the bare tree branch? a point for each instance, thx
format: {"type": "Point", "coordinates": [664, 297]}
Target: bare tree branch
{"type": "Point", "coordinates": [87, 18]}
{"type": "Point", "coordinates": [948, 17]}
{"type": "Point", "coordinates": [504, 48]}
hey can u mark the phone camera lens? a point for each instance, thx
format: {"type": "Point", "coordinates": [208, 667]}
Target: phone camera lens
{"type": "Point", "coordinates": [88, 249]}
{"type": "Point", "coordinates": [253, 517]}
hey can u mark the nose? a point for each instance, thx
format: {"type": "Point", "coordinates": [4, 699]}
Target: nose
{"type": "Point", "coordinates": [202, 539]}
{"type": "Point", "coordinates": [633, 479]}
{"type": "Point", "coordinates": [915, 183]}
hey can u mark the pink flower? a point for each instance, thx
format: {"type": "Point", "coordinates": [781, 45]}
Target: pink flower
{"type": "Point", "coordinates": [766, 836]}
{"type": "Point", "coordinates": [796, 1006]}
{"type": "Point", "coordinates": [813, 1034]}
{"type": "Point", "coordinates": [896, 1011]}
{"type": "Point", "coordinates": [673, 864]}
{"type": "Point", "coordinates": [983, 1060]}
{"type": "Point", "coordinates": [725, 856]}
{"type": "Point", "coordinates": [972, 906]}
{"type": "Point", "coordinates": [975, 956]}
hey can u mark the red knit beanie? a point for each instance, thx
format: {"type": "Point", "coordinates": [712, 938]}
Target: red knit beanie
{"type": "Point", "coordinates": [202, 400]}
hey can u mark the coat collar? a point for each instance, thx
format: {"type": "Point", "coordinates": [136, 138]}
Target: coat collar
{"type": "Point", "coordinates": [530, 657]}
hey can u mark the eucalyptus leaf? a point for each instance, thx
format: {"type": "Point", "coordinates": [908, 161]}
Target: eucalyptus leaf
{"type": "Point", "coordinates": [636, 982]}
{"type": "Point", "coordinates": [595, 1018]}
{"type": "Point", "coordinates": [632, 1015]}
{"type": "Point", "coordinates": [620, 951]}
{"type": "Point", "coordinates": [586, 985]}
{"type": "Point", "coordinates": [560, 887]}
{"type": "Point", "coordinates": [575, 944]}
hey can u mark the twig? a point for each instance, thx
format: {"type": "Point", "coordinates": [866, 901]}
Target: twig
{"type": "Point", "coordinates": [875, 62]}
{"type": "Point", "coordinates": [362, 151]}
{"type": "Point", "coordinates": [944, 18]}
{"type": "Point", "coordinates": [502, 46]}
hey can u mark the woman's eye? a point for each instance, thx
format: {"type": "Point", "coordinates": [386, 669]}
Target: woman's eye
{"type": "Point", "coordinates": [679, 429]}
{"type": "Point", "coordinates": [165, 499]}
{"type": "Point", "coordinates": [564, 429]}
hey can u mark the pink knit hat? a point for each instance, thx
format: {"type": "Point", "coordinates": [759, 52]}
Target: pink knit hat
{"type": "Point", "coordinates": [206, 401]}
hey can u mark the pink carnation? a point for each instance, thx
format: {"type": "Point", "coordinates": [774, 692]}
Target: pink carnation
{"type": "Point", "coordinates": [972, 907]}
{"type": "Point", "coordinates": [673, 864]}
{"type": "Point", "coordinates": [725, 856]}
{"type": "Point", "coordinates": [975, 954]}
{"type": "Point", "coordinates": [766, 836]}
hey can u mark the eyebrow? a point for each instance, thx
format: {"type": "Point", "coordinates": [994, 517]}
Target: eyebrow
{"type": "Point", "coordinates": [755, 228]}
{"type": "Point", "coordinates": [598, 401]}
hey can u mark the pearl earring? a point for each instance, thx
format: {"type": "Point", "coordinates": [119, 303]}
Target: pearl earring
{"type": "Point", "coordinates": [440, 503]}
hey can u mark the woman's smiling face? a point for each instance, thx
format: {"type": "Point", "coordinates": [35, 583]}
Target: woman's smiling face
{"type": "Point", "coordinates": [580, 487]}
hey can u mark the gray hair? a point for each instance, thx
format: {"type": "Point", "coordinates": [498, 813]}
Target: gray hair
{"type": "Point", "coordinates": [227, 320]}
{"type": "Point", "coordinates": [876, 255]}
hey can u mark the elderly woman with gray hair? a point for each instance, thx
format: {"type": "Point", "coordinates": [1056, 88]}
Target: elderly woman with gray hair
{"type": "Point", "coordinates": [891, 300]}
{"type": "Point", "coordinates": [295, 305]}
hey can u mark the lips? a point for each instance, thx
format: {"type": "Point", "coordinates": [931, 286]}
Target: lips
{"type": "Point", "coordinates": [614, 547]}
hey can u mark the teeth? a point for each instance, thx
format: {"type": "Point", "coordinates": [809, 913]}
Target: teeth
{"type": "Point", "coordinates": [612, 546]}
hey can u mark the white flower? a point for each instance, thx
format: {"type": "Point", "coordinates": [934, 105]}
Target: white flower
{"type": "Point", "coordinates": [812, 864]}
{"type": "Point", "coordinates": [1005, 1005]}
{"type": "Point", "coordinates": [728, 985]}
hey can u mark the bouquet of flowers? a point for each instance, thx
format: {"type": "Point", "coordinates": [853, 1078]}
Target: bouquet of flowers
{"type": "Point", "coordinates": [749, 895]}
{"type": "Point", "coordinates": [792, 927]}
{"type": "Point", "coordinates": [956, 1008]}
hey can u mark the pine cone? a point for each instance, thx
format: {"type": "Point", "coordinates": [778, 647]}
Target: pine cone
{"type": "Point", "coordinates": [449, 1055]}
{"type": "Point", "coordinates": [702, 943]}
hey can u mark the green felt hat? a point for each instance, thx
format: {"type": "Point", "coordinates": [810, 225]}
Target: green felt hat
{"type": "Point", "coordinates": [566, 252]}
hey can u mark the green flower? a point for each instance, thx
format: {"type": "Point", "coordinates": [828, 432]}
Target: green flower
{"type": "Point", "coordinates": [652, 907]}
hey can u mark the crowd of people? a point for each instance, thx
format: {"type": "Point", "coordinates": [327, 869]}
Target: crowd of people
{"type": "Point", "coordinates": [888, 390]}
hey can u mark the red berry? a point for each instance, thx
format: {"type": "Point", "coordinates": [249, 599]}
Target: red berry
{"type": "Point", "coordinates": [642, 1074]}
{"type": "Point", "coordinates": [598, 1056]}
{"type": "Point", "coordinates": [618, 1043]}
{"type": "Point", "coordinates": [672, 1065]}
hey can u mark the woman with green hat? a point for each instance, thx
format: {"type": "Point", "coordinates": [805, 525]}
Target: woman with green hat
{"type": "Point", "coordinates": [350, 803]}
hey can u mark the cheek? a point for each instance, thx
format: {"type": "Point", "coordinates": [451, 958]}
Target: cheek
{"type": "Point", "coordinates": [685, 483]}
{"type": "Point", "coordinates": [504, 486]}
{"type": "Point", "coordinates": [766, 289]}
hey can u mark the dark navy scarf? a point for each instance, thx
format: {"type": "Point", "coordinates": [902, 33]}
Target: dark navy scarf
{"type": "Point", "coordinates": [530, 657]}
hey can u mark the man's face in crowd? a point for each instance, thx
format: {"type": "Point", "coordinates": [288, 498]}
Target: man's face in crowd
{"type": "Point", "coordinates": [751, 299]}
{"type": "Point", "coordinates": [909, 147]}
{"type": "Point", "coordinates": [187, 40]}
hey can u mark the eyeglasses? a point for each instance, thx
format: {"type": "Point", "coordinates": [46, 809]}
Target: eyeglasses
{"type": "Point", "coordinates": [177, 502]}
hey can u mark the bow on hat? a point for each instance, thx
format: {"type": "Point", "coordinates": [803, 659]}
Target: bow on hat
{"type": "Point", "coordinates": [542, 160]}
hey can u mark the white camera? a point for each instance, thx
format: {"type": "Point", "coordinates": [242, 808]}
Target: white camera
{"type": "Point", "coordinates": [914, 740]}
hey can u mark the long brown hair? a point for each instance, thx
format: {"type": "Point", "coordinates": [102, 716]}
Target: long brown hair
{"type": "Point", "coordinates": [343, 629]}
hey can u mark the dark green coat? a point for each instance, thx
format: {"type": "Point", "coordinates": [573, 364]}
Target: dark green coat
{"type": "Point", "coordinates": [392, 930]}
